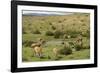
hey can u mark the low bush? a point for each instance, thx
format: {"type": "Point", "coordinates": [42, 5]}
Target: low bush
{"type": "Point", "coordinates": [86, 46]}
{"type": "Point", "coordinates": [24, 30]}
{"type": "Point", "coordinates": [25, 59]}
{"type": "Point", "coordinates": [86, 34]}
{"type": "Point", "coordinates": [72, 33]}
{"type": "Point", "coordinates": [78, 47]}
{"type": "Point", "coordinates": [50, 23]}
{"type": "Point", "coordinates": [49, 33]}
{"type": "Point", "coordinates": [27, 43]}
{"type": "Point", "coordinates": [65, 50]}
{"type": "Point", "coordinates": [36, 32]}
{"type": "Point", "coordinates": [53, 27]}
{"type": "Point", "coordinates": [57, 34]}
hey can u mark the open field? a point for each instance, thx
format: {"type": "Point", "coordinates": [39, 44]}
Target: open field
{"type": "Point", "coordinates": [28, 54]}
{"type": "Point", "coordinates": [55, 30]}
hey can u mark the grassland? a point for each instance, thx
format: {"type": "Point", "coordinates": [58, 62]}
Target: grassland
{"type": "Point", "coordinates": [72, 25]}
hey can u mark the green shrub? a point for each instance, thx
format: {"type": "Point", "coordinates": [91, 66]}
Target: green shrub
{"type": "Point", "coordinates": [71, 43]}
{"type": "Point", "coordinates": [72, 33]}
{"type": "Point", "coordinates": [40, 27]}
{"type": "Point", "coordinates": [82, 20]}
{"type": "Point", "coordinates": [57, 34]}
{"type": "Point", "coordinates": [65, 50]}
{"type": "Point", "coordinates": [49, 33]}
{"type": "Point", "coordinates": [27, 43]}
{"type": "Point", "coordinates": [50, 23]}
{"type": "Point", "coordinates": [78, 47]}
{"type": "Point", "coordinates": [86, 34]}
{"type": "Point", "coordinates": [25, 59]}
{"type": "Point", "coordinates": [53, 27]}
{"type": "Point", "coordinates": [59, 21]}
{"type": "Point", "coordinates": [36, 32]}
{"type": "Point", "coordinates": [24, 30]}
{"type": "Point", "coordinates": [86, 46]}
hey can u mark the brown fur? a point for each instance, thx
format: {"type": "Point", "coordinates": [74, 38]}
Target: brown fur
{"type": "Point", "coordinates": [36, 47]}
{"type": "Point", "coordinates": [55, 51]}
{"type": "Point", "coordinates": [79, 40]}
{"type": "Point", "coordinates": [37, 51]}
